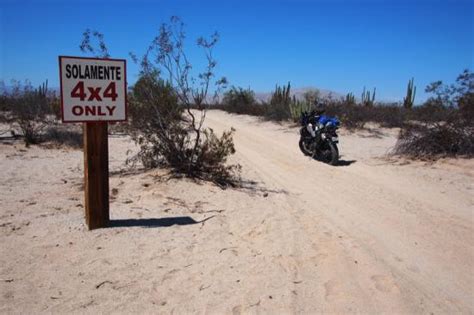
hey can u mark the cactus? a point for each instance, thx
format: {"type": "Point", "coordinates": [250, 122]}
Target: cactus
{"type": "Point", "coordinates": [42, 89]}
{"type": "Point", "coordinates": [366, 100]}
{"type": "Point", "coordinates": [279, 107]}
{"type": "Point", "coordinates": [281, 95]}
{"type": "Point", "coordinates": [409, 99]}
{"type": "Point", "coordinates": [297, 107]}
{"type": "Point", "coordinates": [350, 99]}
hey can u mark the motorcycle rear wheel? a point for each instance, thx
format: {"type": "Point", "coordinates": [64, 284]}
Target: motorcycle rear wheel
{"type": "Point", "coordinates": [304, 149]}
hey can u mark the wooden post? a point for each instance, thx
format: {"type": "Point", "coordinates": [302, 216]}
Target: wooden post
{"type": "Point", "coordinates": [96, 174]}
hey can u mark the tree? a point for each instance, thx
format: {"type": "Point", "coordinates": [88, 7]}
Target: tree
{"type": "Point", "coordinates": [442, 94]}
{"type": "Point", "coordinates": [88, 47]}
{"type": "Point", "coordinates": [464, 94]}
{"type": "Point", "coordinates": [460, 93]}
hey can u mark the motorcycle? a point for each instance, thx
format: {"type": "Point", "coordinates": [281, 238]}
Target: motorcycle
{"type": "Point", "coordinates": [323, 147]}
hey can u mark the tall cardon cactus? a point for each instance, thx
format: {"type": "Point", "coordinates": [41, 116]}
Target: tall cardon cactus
{"type": "Point", "coordinates": [366, 99]}
{"type": "Point", "coordinates": [409, 99]}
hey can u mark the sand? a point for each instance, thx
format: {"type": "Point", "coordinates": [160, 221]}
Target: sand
{"type": "Point", "coordinates": [374, 235]}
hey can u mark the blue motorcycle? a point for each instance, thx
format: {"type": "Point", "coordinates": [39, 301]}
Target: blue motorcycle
{"type": "Point", "coordinates": [318, 137]}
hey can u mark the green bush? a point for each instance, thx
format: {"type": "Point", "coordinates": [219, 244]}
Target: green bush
{"type": "Point", "coordinates": [240, 101]}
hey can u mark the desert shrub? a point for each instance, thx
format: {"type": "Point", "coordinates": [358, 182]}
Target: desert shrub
{"type": "Point", "coordinates": [161, 128]}
{"type": "Point", "coordinates": [28, 110]}
{"type": "Point", "coordinates": [430, 112]}
{"type": "Point", "coordinates": [55, 105]}
{"type": "Point", "coordinates": [68, 136]}
{"type": "Point", "coordinates": [439, 140]}
{"type": "Point", "coordinates": [464, 94]}
{"type": "Point", "coordinates": [240, 101]}
{"type": "Point", "coordinates": [388, 115]}
{"type": "Point", "coordinates": [4, 112]}
{"type": "Point", "coordinates": [452, 133]}
{"type": "Point", "coordinates": [3, 98]}
{"type": "Point", "coordinates": [352, 116]}
{"type": "Point", "coordinates": [154, 123]}
{"type": "Point", "coordinates": [151, 96]}
{"type": "Point", "coordinates": [167, 117]}
{"type": "Point", "coordinates": [466, 107]}
{"type": "Point", "coordinates": [32, 111]}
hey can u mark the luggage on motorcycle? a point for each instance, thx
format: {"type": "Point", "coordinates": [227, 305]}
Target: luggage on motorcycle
{"type": "Point", "coordinates": [323, 119]}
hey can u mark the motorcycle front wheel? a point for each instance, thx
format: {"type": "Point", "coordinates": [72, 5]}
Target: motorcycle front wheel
{"type": "Point", "coordinates": [329, 154]}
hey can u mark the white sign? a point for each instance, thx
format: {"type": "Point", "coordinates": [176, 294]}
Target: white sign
{"type": "Point", "coordinates": [93, 89]}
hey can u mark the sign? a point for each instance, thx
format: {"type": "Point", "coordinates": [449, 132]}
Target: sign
{"type": "Point", "coordinates": [93, 89]}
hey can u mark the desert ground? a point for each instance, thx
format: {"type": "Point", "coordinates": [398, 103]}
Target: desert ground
{"type": "Point", "coordinates": [374, 235]}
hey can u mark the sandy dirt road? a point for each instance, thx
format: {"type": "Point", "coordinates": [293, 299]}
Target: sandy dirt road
{"type": "Point", "coordinates": [370, 236]}
{"type": "Point", "coordinates": [379, 237]}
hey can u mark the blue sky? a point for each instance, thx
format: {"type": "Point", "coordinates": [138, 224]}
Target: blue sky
{"type": "Point", "coordinates": [337, 45]}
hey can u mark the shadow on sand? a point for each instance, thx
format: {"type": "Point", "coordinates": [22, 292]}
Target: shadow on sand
{"type": "Point", "coordinates": [345, 162]}
{"type": "Point", "coordinates": [155, 222]}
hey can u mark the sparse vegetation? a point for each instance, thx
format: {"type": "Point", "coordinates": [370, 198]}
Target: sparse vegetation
{"type": "Point", "coordinates": [297, 107]}
{"type": "Point", "coordinates": [28, 110]}
{"type": "Point", "coordinates": [451, 133]}
{"type": "Point", "coordinates": [279, 107]}
{"type": "Point", "coordinates": [167, 117]}
{"type": "Point", "coordinates": [63, 136]}
{"type": "Point", "coordinates": [32, 114]}
{"type": "Point", "coordinates": [168, 109]}
{"type": "Point", "coordinates": [442, 126]}
{"type": "Point", "coordinates": [350, 99]}
{"type": "Point", "coordinates": [240, 101]}
{"type": "Point", "coordinates": [439, 140]}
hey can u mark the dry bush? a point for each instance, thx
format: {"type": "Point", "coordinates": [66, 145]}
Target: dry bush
{"type": "Point", "coordinates": [159, 126]}
{"type": "Point", "coordinates": [34, 112]}
{"type": "Point", "coordinates": [430, 112]}
{"type": "Point", "coordinates": [449, 139]}
{"type": "Point", "coordinates": [453, 132]}
{"type": "Point", "coordinates": [466, 107]}
{"type": "Point", "coordinates": [388, 115]}
{"type": "Point", "coordinates": [64, 136]}
{"type": "Point", "coordinates": [28, 110]}
{"type": "Point", "coordinates": [55, 105]}
{"type": "Point", "coordinates": [167, 117]}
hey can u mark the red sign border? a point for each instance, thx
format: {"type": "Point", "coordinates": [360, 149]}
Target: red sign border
{"type": "Point", "coordinates": [61, 90]}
